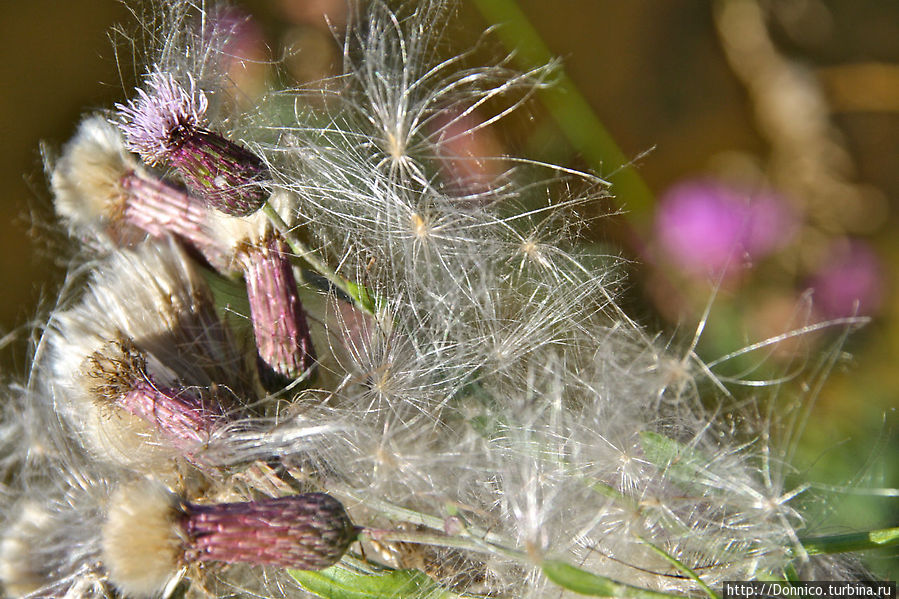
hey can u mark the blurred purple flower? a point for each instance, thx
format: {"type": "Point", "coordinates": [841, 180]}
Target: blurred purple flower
{"type": "Point", "coordinates": [849, 281]}
{"type": "Point", "coordinates": [243, 59]}
{"type": "Point", "coordinates": [708, 227]}
{"type": "Point", "coordinates": [465, 146]}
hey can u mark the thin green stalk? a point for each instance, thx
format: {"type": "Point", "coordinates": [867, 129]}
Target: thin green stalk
{"type": "Point", "coordinates": [443, 540]}
{"type": "Point", "coordinates": [406, 515]}
{"type": "Point", "coordinates": [587, 583]}
{"type": "Point", "coordinates": [359, 294]}
{"type": "Point", "coordinates": [559, 572]}
{"type": "Point", "coordinates": [568, 106]}
{"type": "Point", "coordinates": [687, 571]}
{"type": "Point", "coordinates": [859, 541]}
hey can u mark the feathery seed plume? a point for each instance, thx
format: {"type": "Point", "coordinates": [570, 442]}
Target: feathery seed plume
{"type": "Point", "coordinates": [492, 417]}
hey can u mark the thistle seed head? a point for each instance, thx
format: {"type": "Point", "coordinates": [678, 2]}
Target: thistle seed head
{"type": "Point", "coordinates": [151, 533]}
{"type": "Point", "coordinates": [180, 415]}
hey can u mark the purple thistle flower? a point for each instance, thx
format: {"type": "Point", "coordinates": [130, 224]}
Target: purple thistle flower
{"type": "Point", "coordinates": [279, 321]}
{"type": "Point", "coordinates": [166, 124]}
{"type": "Point", "coordinates": [706, 226]}
{"type": "Point", "coordinates": [150, 533]}
{"type": "Point", "coordinates": [153, 122]}
{"type": "Point", "coordinates": [850, 282]}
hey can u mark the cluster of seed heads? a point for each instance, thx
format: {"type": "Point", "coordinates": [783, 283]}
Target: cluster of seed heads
{"type": "Point", "coordinates": [334, 308]}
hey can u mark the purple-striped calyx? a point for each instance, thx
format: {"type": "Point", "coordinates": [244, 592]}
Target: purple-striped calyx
{"type": "Point", "coordinates": [279, 321]}
{"type": "Point", "coordinates": [309, 531]}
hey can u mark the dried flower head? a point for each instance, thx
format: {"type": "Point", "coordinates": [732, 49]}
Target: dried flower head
{"type": "Point", "coordinates": [141, 341]}
{"type": "Point", "coordinates": [118, 375]}
{"type": "Point", "coordinates": [280, 325]}
{"type": "Point", "coordinates": [279, 320]}
{"type": "Point", "coordinates": [103, 193]}
{"type": "Point", "coordinates": [150, 534]}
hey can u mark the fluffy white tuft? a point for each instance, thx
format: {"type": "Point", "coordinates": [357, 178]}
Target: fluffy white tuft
{"type": "Point", "coordinates": [155, 298]}
{"type": "Point", "coordinates": [236, 232]}
{"type": "Point", "coordinates": [141, 539]}
{"type": "Point", "coordinates": [499, 399]}
{"type": "Point", "coordinates": [86, 178]}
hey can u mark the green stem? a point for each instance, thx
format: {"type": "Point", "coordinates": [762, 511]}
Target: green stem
{"type": "Point", "coordinates": [687, 571]}
{"type": "Point", "coordinates": [859, 541]}
{"type": "Point", "coordinates": [442, 540]}
{"type": "Point", "coordinates": [559, 572]}
{"type": "Point", "coordinates": [568, 106]}
{"type": "Point", "coordinates": [403, 514]}
{"type": "Point", "coordinates": [360, 295]}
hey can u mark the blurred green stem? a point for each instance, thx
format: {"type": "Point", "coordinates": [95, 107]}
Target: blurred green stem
{"type": "Point", "coordinates": [569, 108]}
{"type": "Point", "coordinates": [859, 541]}
{"type": "Point", "coordinates": [690, 573]}
{"type": "Point", "coordinates": [560, 572]}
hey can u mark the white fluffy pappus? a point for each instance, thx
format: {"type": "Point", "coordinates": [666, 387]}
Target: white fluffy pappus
{"type": "Point", "coordinates": [506, 378]}
{"type": "Point", "coordinates": [141, 539]}
{"type": "Point", "coordinates": [50, 517]}
{"type": "Point", "coordinates": [403, 103]}
{"type": "Point", "coordinates": [50, 546]}
{"type": "Point", "coordinates": [87, 178]}
{"type": "Point", "coordinates": [108, 198]}
{"type": "Point", "coordinates": [156, 299]}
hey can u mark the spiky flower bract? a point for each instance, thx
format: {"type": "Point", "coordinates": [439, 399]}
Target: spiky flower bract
{"type": "Point", "coordinates": [482, 404]}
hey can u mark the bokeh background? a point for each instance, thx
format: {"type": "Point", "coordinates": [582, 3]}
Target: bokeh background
{"type": "Point", "coordinates": [764, 142]}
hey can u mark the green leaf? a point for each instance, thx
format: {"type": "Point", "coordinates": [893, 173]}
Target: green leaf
{"type": "Point", "coordinates": [586, 583]}
{"type": "Point", "coordinates": [337, 582]}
